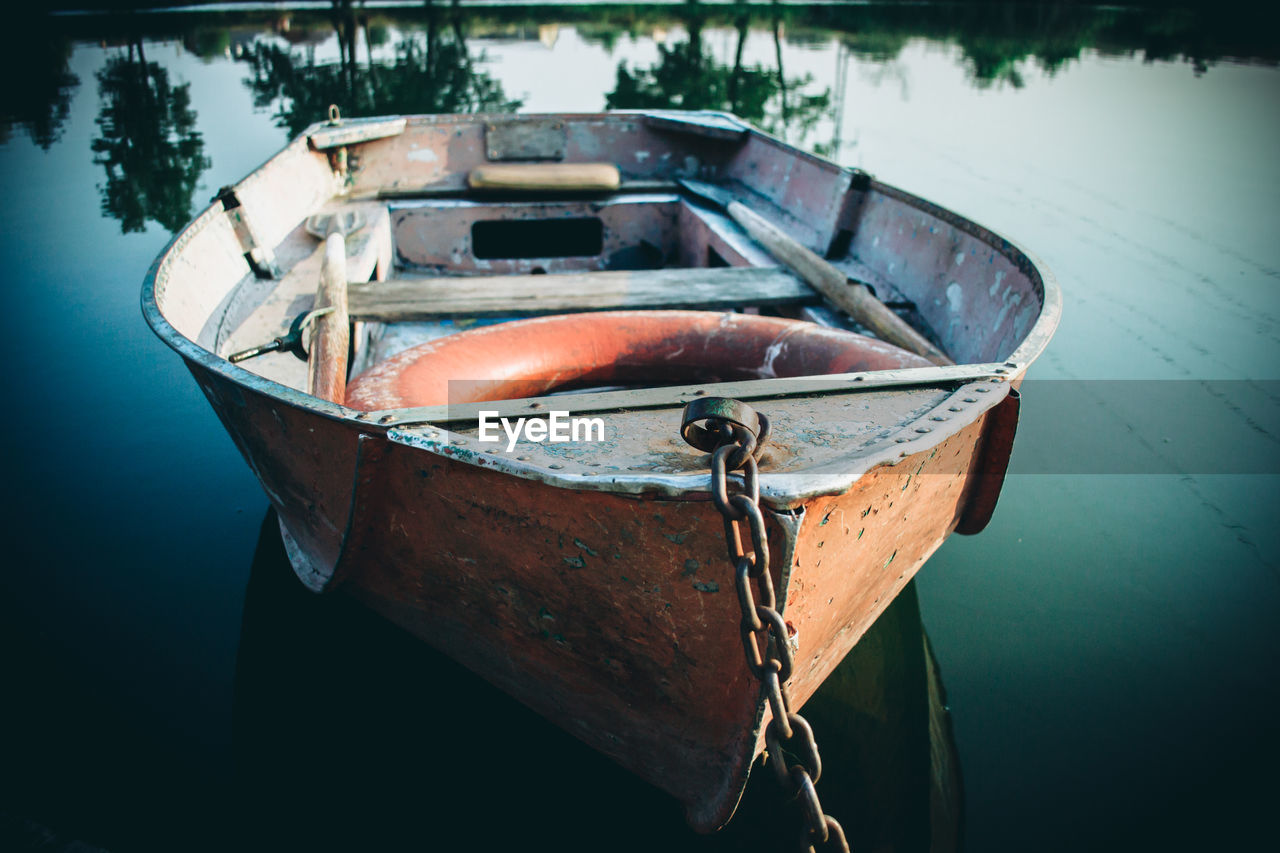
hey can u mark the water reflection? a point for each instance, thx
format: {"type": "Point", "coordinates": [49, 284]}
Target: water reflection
{"type": "Point", "coordinates": [687, 76]}
{"type": "Point", "coordinates": [350, 734]}
{"type": "Point", "coordinates": [148, 143]}
{"type": "Point", "coordinates": [432, 71]}
{"type": "Point", "coordinates": [419, 61]}
{"type": "Point", "coordinates": [40, 102]}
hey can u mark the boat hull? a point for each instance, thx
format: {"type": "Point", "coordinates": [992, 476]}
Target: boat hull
{"type": "Point", "coordinates": [602, 597]}
{"type": "Point", "coordinates": [612, 615]}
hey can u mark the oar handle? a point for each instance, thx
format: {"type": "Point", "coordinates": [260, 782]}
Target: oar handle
{"type": "Point", "coordinates": [853, 298]}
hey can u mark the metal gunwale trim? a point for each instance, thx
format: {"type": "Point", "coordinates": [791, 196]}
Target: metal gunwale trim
{"type": "Point", "coordinates": [779, 489]}
{"type": "Point", "coordinates": [672, 396]}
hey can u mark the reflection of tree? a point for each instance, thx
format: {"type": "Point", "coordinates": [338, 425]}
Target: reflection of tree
{"type": "Point", "coordinates": [37, 91]}
{"type": "Point", "coordinates": [688, 77]}
{"type": "Point", "coordinates": [208, 42]}
{"type": "Point", "coordinates": [997, 41]}
{"type": "Point", "coordinates": [432, 72]}
{"type": "Point", "coordinates": [1050, 34]}
{"type": "Point", "coordinates": [148, 143]}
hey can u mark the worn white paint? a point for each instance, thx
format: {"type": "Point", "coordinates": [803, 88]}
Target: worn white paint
{"type": "Point", "coordinates": [1011, 298]}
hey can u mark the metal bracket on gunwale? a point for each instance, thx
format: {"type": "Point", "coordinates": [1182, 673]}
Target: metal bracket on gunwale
{"type": "Point", "coordinates": [714, 125]}
{"type": "Point", "coordinates": [674, 396]}
{"type": "Point", "coordinates": [351, 131]}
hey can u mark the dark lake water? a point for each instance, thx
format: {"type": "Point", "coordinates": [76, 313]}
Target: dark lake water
{"type": "Point", "coordinates": [1109, 646]}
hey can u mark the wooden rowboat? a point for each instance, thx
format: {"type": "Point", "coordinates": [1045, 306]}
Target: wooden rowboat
{"type": "Point", "coordinates": [588, 577]}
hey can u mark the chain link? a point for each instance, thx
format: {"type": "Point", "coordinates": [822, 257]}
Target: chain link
{"type": "Point", "coordinates": [793, 752]}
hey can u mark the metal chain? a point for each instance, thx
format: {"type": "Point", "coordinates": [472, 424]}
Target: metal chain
{"type": "Point", "coordinates": [729, 427]}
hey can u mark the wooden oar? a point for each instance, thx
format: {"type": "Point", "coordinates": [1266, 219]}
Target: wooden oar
{"type": "Point", "coordinates": [850, 296]}
{"type": "Point", "coordinates": [331, 332]}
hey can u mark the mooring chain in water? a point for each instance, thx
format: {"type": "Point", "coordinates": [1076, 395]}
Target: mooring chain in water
{"type": "Point", "coordinates": [734, 434]}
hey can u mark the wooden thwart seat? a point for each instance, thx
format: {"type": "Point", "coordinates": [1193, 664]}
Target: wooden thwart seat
{"type": "Point", "coordinates": [408, 299]}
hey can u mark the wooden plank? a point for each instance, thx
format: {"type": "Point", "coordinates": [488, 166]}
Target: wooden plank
{"type": "Point", "coordinates": [411, 299]}
{"type": "Point", "coordinates": [446, 189]}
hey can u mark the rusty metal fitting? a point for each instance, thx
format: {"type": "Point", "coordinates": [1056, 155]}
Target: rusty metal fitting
{"type": "Point", "coordinates": [700, 424]}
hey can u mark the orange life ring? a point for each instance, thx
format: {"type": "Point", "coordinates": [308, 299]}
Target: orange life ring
{"type": "Point", "coordinates": [527, 358]}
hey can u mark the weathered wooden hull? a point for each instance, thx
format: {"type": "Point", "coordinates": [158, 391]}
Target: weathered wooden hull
{"type": "Point", "coordinates": [612, 615]}
{"type": "Point", "coordinates": [606, 602]}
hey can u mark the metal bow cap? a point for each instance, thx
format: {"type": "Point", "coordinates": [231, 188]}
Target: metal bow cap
{"type": "Point", "coordinates": [703, 421]}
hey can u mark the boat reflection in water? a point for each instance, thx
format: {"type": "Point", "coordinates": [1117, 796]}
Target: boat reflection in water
{"type": "Point", "coordinates": [352, 734]}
